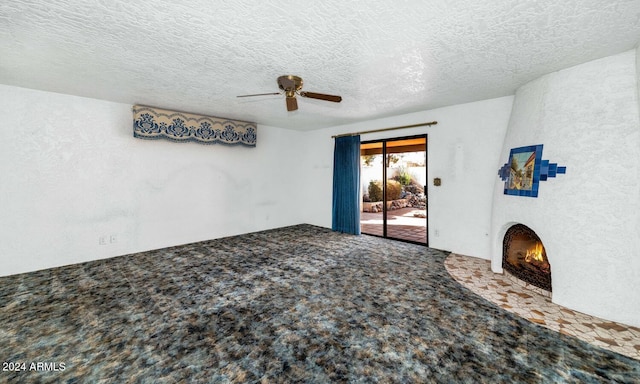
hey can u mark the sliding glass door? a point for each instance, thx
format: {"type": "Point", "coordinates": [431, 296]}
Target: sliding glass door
{"type": "Point", "coordinates": [397, 207]}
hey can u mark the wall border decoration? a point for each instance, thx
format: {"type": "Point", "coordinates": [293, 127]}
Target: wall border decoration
{"type": "Point", "coordinates": [525, 169]}
{"type": "Point", "coordinates": [154, 123]}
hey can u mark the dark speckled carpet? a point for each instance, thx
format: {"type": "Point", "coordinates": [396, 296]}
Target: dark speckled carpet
{"type": "Point", "coordinates": [296, 304]}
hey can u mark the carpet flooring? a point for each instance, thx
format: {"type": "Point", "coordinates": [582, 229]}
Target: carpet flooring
{"type": "Point", "coordinates": [295, 304]}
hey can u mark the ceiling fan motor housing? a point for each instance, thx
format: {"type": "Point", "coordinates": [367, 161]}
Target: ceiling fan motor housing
{"type": "Point", "coordinates": [290, 84]}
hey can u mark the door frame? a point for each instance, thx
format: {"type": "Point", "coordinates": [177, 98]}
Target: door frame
{"type": "Point", "coordinates": [384, 184]}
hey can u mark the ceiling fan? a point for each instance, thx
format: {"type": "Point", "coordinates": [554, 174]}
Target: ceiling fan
{"type": "Point", "coordinates": [291, 86]}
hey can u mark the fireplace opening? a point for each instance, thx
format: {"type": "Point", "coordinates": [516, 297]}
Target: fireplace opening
{"type": "Point", "coordinates": [524, 256]}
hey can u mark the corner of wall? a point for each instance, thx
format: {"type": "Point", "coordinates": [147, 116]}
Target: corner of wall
{"type": "Point", "coordinates": [79, 194]}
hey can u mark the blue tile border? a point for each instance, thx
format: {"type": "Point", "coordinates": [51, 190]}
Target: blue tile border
{"type": "Point", "coordinates": [524, 180]}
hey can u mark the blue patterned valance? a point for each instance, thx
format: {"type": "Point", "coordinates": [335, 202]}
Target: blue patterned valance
{"type": "Point", "coordinates": [155, 123]}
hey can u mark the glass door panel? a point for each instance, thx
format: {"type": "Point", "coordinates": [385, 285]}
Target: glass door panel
{"type": "Point", "coordinates": [406, 202]}
{"type": "Point", "coordinates": [371, 168]}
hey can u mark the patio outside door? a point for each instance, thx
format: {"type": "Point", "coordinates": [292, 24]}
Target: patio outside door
{"type": "Point", "coordinates": [396, 208]}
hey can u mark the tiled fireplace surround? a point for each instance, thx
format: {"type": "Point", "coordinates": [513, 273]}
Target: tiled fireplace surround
{"type": "Point", "coordinates": [587, 118]}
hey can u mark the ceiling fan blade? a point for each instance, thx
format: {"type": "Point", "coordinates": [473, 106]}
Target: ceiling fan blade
{"type": "Point", "coordinates": [321, 96]}
{"type": "Point", "coordinates": [260, 94]}
{"type": "Point", "coordinates": [292, 104]}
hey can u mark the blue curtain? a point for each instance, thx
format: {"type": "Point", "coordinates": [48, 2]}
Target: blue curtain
{"type": "Point", "coordinates": [346, 185]}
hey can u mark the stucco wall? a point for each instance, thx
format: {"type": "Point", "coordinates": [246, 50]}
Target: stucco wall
{"type": "Point", "coordinates": [638, 73]}
{"type": "Point", "coordinates": [587, 119]}
{"type": "Point", "coordinates": [73, 173]}
{"type": "Point", "coordinates": [463, 150]}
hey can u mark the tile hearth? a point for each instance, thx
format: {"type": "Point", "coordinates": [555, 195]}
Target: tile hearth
{"type": "Point", "coordinates": [476, 275]}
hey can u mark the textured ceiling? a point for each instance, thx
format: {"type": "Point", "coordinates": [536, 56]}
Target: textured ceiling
{"type": "Point", "coordinates": [384, 58]}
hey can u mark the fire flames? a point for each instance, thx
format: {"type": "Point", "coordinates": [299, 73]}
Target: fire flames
{"type": "Point", "coordinates": [534, 253]}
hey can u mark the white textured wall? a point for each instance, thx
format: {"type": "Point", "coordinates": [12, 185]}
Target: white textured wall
{"type": "Point", "coordinates": [638, 72]}
{"type": "Point", "coordinates": [463, 150]}
{"type": "Point", "coordinates": [587, 119]}
{"type": "Point", "coordinates": [72, 172]}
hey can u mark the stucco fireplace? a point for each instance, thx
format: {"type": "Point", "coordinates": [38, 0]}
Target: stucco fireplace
{"type": "Point", "coordinates": [586, 117]}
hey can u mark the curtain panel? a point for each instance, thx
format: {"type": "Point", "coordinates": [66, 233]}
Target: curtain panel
{"type": "Point", "coordinates": [155, 123]}
{"type": "Point", "coordinates": [346, 185]}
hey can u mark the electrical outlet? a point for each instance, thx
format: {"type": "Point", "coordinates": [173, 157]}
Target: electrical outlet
{"type": "Point", "coordinates": [436, 232]}
{"type": "Point", "coordinates": [102, 240]}
{"type": "Point", "coordinates": [113, 238]}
